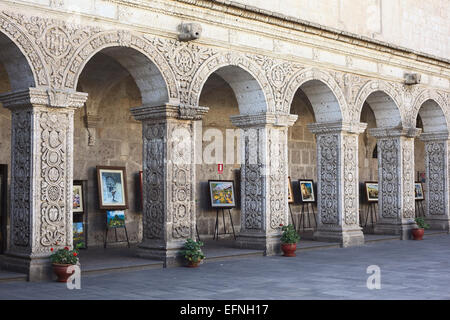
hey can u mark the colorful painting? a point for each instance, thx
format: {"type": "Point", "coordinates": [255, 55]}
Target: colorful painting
{"type": "Point", "coordinates": [78, 235]}
{"type": "Point", "coordinates": [421, 176]}
{"type": "Point", "coordinates": [290, 192]}
{"type": "Point", "coordinates": [307, 190]}
{"type": "Point", "coordinates": [78, 198]}
{"type": "Point", "coordinates": [112, 188]}
{"type": "Point", "coordinates": [115, 219]}
{"type": "Point", "coordinates": [418, 191]}
{"type": "Point", "coordinates": [371, 191]}
{"type": "Point", "coordinates": [222, 194]}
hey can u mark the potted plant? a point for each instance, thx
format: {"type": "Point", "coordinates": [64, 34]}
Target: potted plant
{"type": "Point", "coordinates": [193, 253]}
{"type": "Point", "coordinates": [418, 232]}
{"type": "Point", "coordinates": [62, 259]}
{"type": "Point", "coordinates": [289, 240]}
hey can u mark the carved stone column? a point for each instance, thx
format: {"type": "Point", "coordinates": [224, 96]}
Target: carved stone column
{"type": "Point", "coordinates": [396, 204]}
{"type": "Point", "coordinates": [437, 180]}
{"type": "Point", "coordinates": [168, 134]}
{"type": "Point", "coordinates": [41, 179]}
{"type": "Point", "coordinates": [264, 178]}
{"type": "Point", "coordinates": [338, 183]}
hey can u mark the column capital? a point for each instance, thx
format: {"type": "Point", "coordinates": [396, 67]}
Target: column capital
{"type": "Point", "coordinates": [263, 118]}
{"type": "Point", "coordinates": [434, 136]}
{"type": "Point", "coordinates": [169, 111]}
{"type": "Point", "coordinates": [337, 127]}
{"type": "Point", "coordinates": [47, 97]}
{"type": "Point", "coordinates": [393, 132]}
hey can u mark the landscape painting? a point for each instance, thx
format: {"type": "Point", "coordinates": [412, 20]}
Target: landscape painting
{"type": "Point", "coordinates": [78, 235]}
{"type": "Point", "coordinates": [371, 191]}
{"type": "Point", "coordinates": [115, 219]}
{"type": "Point", "coordinates": [222, 194]}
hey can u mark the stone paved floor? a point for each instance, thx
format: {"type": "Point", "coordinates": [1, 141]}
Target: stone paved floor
{"type": "Point", "coordinates": [409, 270]}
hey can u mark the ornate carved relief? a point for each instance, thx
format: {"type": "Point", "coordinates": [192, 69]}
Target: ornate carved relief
{"type": "Point", "coordinates": [53, 166]}
{"type": "Point", "coordinates": [21, 179]}
{"type": "Point", "coordinates": [408, 178]}
{"type": "Point", "coordinates": [56, 40]}
{"type": "Point", "coordinates": [278, 176]}
{"type": "Point", "coordinates": [388, 167]}
{"type": "Point", "coordinates": [328, 164]}
{"type": "Point", "coordinates": [435, 162]}
{"type": "Point", "coordinates": [252, 182]}
{"type": "Point", "coordinates": [350, 145]}
{"type": "Point", "coordinates": [154, 176]}
{"type": "Point", "coordinates": [10, 25]}
{"type": "Point", "coordinates": [182, 178]}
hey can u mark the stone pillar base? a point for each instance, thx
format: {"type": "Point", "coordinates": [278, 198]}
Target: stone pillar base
{"type": "Point", "coordinates": [270, 244]}
{"type": "Point", "coordinates": [347, 238]}
{"type": "Point", "coordinates": [402, 230]}
{"type": "Point", "coordinates": [36, 269]}
{"type": "Point", "coordinates": [168, 253]}
{"type": "Point", "coordinates": [438, 224]}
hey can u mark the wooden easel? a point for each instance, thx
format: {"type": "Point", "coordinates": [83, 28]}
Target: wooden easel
{"type": "Point", "coordinates": [115, 231]}
{"type": "Point", "coordinates": [216, 229]}
{"type": "Point", "coordinates": [419, 208]}
{"type": "Point", "coordinates": [305, 211]}
{"type": "Point", "coordinates": [292, 216]}
{"type": "Point", "coordinates": [371, 212]}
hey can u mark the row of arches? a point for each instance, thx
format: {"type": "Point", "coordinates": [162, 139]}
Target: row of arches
{"type": "Point", "coordinates": [253, 95]}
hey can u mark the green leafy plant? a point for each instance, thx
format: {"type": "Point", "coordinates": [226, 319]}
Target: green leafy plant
{"type": "Point", "coordinates": [192, 251]}
{"type": "Point", "coordinates": [65, 256]}
{"type": "Point", "coordinates": [289, 235]}
{"type": "Point", "coordinates": [421, 223]}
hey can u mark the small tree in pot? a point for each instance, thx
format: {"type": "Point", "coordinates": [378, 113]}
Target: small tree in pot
{"type": "Point", "coordinates": [193, 253]}
{"type": "Point", "coordinates": [418, 232]}
{"type": "Point", "coordinates": [289, 240]}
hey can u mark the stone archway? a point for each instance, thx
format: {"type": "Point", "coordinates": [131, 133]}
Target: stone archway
{"type": "Point", "coordinates": [395, 149]}
{"type": "Point", "coordinates": [431, 109]}
{"type": "Point", "coordinates": [337, 162]}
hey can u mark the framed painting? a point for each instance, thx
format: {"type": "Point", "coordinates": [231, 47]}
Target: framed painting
{"type": "Point", "coordinates": [78, 197]}
{"type": "Point", "coordinates": [222, 193]}
{"type": "Point", "coordinates": [79, 235]}
{"type": "Point", "coordinates": [421, 176]}
{"type": "Point", "coordinates": [115, 219]}
{"type": "Point", "coordinates": [371, 188]}
{"type": "Point", "coordinates": [418, 191]}
{"type": "Point", "coordinates": [307, 190]}
{"type": "Point", "coordinates": [112, 188]}
{"type": "Point", "coordinates": [290, 192]}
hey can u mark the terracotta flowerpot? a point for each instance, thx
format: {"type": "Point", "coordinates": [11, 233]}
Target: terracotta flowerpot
{"type": "Point", "coordinates": [289, 249]}
{"type": "Point", "coordinates": [192, 264]}
{"type": "Point", "coordinates": [418, 233]}
{"type": "Point", "coordinates": [61, 271]}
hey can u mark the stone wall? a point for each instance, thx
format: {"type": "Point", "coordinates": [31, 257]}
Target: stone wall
{"type": "Point", "coordinates": [413, 23]}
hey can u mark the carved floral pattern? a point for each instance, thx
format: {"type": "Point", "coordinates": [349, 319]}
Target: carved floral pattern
{"type": "Point", "coordinates": [389, 181]}
{"type": "Point", "coordinates": [351, 179]}
{"type": "Point", "coordinates": [21, 179]}
{"type": "Point", "coordinates": [328, 158]}
{"type": "Point", "coordinates": [435, 163]}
